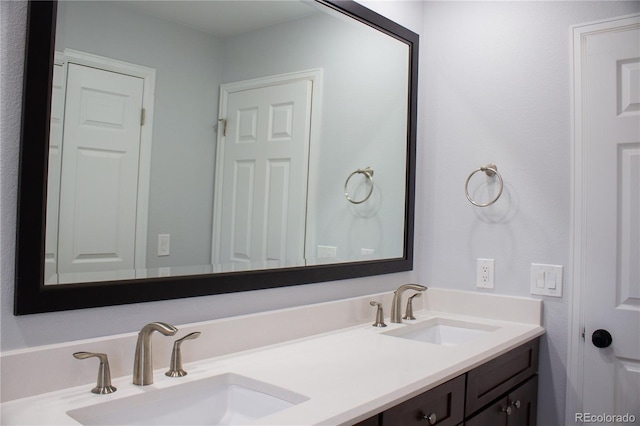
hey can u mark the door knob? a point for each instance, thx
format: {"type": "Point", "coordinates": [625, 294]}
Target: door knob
{"type": "Point", "coordinates": [601, 338]}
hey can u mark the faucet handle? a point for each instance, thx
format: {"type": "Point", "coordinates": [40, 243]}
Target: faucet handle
{"type": "Point", "coordinates": [408, 315]}
{"type": "Point", "coordinates": [379, 315]}
{"type": "Point", "coordinates": [175, 369]}
{"type": "Point", "coordinates": [103, 385]}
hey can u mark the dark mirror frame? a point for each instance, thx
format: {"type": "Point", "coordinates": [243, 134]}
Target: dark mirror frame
{"type": "Point", "coordinates": [32, 296]}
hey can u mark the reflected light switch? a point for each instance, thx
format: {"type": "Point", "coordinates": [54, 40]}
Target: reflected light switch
{"type": "Point", "coordinates": [164, 244]}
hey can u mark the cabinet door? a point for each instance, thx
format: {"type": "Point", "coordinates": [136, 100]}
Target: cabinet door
{"type": "Point", "coordinates": [523, 402]}
{"type": "Point", "coordinates": [517, 408]}
{"type": "Point", "coordinates": [495, 378]}
{"type": "Point", "coordinates": [444, 405]}
{"type": "Point", "coordinates": [493, 415]}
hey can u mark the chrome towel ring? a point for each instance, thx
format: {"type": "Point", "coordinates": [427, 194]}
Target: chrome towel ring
{"type": "Point", "coordinates": [490, 170]}
{"type": "Point", "coordinates": [368, 172]}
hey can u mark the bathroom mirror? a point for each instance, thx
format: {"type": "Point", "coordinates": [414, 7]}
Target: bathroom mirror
{"type": "Point", "coordinates": [184, 219]}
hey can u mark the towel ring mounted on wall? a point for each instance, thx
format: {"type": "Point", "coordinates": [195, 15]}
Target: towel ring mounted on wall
{"type": "Point", "coordinates": [490, 170]}
{"type": "Point", "coordinates": [368, 172]}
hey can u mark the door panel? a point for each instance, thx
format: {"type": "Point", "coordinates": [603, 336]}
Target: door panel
{"type": "Point", "coordinates": [493, 415]}
{"type": "Point", "coordinates": [99, 178]}
{"type": "Point", "coordinates": [611, 150]}
{"type": "Point", "coordinates": [523, 403]}
{"type": "Point", "coordinates": [264, 163]}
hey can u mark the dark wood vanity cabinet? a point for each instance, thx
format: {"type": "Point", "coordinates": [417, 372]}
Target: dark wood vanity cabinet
{"type": "Point", "coordinates": [517, 408]}
{"type": "Point", "coordinates": [500, 392]}
{"type": "Point", "coordinates": [443, 405]}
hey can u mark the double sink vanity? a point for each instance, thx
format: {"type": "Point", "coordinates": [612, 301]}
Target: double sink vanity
{"type": "Point", "coordinates": [467, 358]}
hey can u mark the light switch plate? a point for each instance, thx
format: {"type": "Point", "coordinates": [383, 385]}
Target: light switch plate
{"type": "Point", "coordinates": [546, 280]}
{"type": "Point", "coordinates": [164, 244]}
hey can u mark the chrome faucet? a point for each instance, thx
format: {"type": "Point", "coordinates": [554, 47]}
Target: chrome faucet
{"type": "Point", "coordinates": [396, 309]}
{"type": "Point", "coordinates": [103, 386]}
{"type": "Point", "coordinates": [175, 368]}
{"type": "Point", "coordinates": [143, 362]}
{"type": "Point", "coordinates": [408, 312]}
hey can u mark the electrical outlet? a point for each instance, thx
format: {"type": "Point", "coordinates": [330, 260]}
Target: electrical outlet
{"type": "Point", "coordinates": [485, 274]}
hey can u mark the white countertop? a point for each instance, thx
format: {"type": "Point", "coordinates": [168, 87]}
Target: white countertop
{"type": "Point", "coordinates": [347, 374]}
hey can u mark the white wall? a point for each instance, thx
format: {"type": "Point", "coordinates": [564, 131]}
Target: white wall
{"type": "Point", "coordinates": [497, 88]}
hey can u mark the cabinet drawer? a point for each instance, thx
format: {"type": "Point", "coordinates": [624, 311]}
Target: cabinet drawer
{"type": "Point", "coordinates": [496, 377]}
{"type": "Point", "coordinates": [446, 402]}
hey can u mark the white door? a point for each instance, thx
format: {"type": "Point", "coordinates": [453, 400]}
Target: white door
{"type": "Point", "coordinates": [610, 108]}
{"type": "Point", "coordinates": [99, 180]}
{"type": "Point", "coordinates": [263, 167]}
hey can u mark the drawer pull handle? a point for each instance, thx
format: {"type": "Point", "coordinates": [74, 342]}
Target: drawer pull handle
{"type": "Point", "coordinates": [507, 410]}
{"type": "Point", "coordinates": [516, 403]}
{"type": "Point", "coordinates": [431, 418]}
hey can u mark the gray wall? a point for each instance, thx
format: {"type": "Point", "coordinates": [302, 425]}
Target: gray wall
{"type": "Point", "coordinates": [497, 88]}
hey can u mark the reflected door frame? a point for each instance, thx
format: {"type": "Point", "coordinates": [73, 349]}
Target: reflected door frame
{"type": "Point", "coordinates": [148, 75]}
{"type": "Point", "coordinates": [313, 180]}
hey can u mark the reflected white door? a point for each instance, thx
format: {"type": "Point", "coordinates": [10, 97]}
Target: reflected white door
{"type": "Point", "coordinates": [53, 180]}
{"type": "Point", "coordinates": [264, 164]}
{"type": "Point", "coordinates": [610, 71]}
{"type": "Point", "coordinates": [99, 180]}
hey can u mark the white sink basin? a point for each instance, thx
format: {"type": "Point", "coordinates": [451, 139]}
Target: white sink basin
{"type": "Point", "coordinates": [227, 399]}
{"type": "Point", "coordinates": [444, 332]}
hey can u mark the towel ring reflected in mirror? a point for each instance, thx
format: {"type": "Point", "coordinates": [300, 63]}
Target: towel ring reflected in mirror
{"type": "Point", "coordinates": [368, 172]}
{"type": "Point", "coordinates": [490, 170]}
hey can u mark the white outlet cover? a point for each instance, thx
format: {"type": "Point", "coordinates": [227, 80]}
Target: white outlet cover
{"type": "Point", "coordinates": [326, 251]}
{"type": "Point", "coordinates": [485, 273]}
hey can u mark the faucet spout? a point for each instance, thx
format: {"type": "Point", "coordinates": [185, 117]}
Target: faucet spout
{"type": "Point", "coordinates": [396, 305]}
{"type": "Point", "coordinates": [143, 361]}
